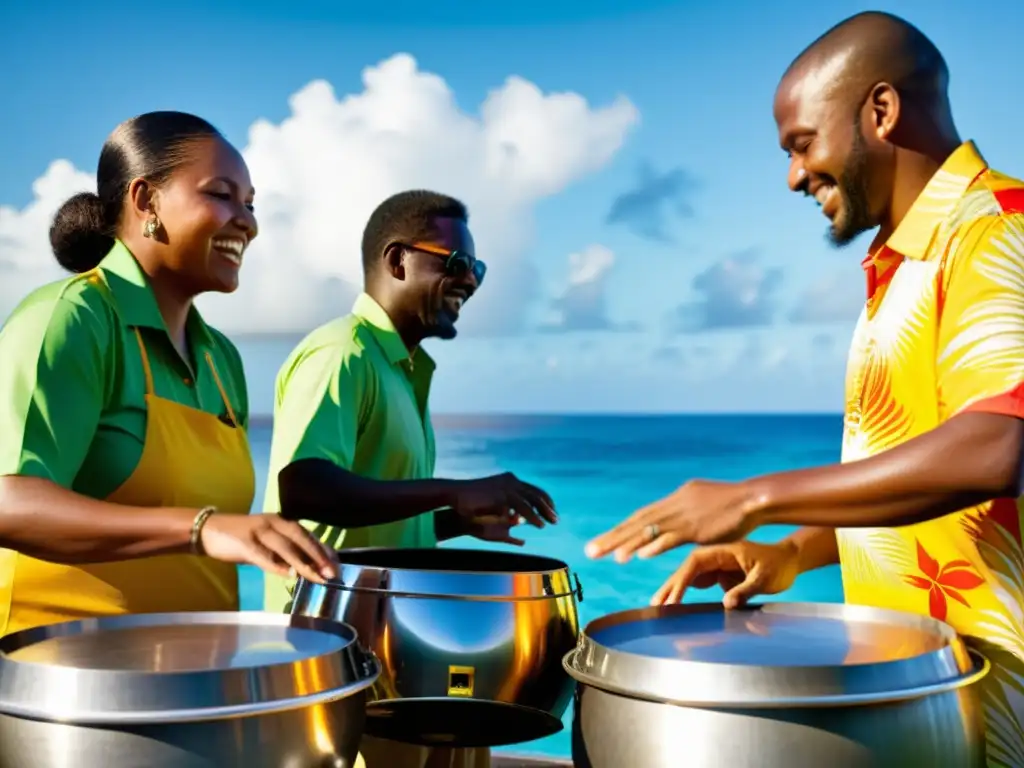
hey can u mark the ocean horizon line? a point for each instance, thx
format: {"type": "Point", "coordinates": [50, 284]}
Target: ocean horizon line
{"type": "Point", "coordinates": [456, 418]}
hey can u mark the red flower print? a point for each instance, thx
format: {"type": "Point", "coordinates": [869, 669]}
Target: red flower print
{"type": "Point", "coordinates": [947, 581]}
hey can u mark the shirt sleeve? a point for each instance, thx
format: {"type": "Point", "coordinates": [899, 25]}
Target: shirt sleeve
{"type": "Point", "coordinates": [322, 404]}
{"type": "Point", "coordinates": [52, 387]}
{"type": "Point", "coordinates": [980, 345]}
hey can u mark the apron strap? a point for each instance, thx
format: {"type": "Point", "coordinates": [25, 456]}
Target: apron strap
{"type": "Point", "coordinates": [213, 369]}
{"type": "Point", "coordinates": [145, 363]}
{"type": "Point", "coordinates": [223, 392]}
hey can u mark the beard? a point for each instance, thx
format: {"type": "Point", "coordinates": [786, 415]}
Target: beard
{"type": "Point", "coordinates": [438, 323]}
{"type": "Point", "coordinates": [854, 216]}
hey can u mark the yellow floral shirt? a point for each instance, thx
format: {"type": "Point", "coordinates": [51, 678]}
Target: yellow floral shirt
{"type": "Point", "coordinates": [943, 333]}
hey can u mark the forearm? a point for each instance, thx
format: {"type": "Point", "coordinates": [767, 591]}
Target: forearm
{"type": "Point", "coordinates": [815, 547]}
{"type": "Point", "coordinates": [322, 492]}
{"type": "Point", "coordinates": [43, 520]}
{"type": "Point", "coordinates": [969, 460]}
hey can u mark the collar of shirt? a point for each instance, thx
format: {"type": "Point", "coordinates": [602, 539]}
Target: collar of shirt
{"type": "Point", "coordinates": [937, 201]}
{"type": "Point", "coordinates": [913, 237]}
{"type": "Point", "coordinates": [369, 311]}
{"type": "Point", "coordinates": [136, 304]}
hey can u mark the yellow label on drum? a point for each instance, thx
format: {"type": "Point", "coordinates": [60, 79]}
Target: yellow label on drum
{"type": "Point", "coordinates": [460, 681]}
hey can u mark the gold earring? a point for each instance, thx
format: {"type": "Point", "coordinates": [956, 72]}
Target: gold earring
{"type": "Point", "coordinates": [151, 226]}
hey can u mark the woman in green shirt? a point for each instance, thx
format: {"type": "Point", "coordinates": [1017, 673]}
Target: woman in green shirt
{"type": "Point", "coordinates": [125, 473]}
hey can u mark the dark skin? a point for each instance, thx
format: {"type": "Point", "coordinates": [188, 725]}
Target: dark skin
{"type": "Point", "coordinates": [203, 203]}
{"type": "Point", "coordinates": [413, 288]}
{"type": "Point", "coordinates": [897, 141]}
{"type": "Point", "coordinates": [201, 207]}
{"type": "Point", "coordinates": [423, 301]}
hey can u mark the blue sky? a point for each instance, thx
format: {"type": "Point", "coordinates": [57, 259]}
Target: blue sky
{"type": "Point", "coordinates": [703, 284]}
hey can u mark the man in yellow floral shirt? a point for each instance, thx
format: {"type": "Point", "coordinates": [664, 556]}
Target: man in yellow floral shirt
{"type": "Point", "coordinates": [924, 512]}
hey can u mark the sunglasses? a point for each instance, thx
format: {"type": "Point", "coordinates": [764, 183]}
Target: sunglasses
{"type": "Point", "coordinates": [457, 263]}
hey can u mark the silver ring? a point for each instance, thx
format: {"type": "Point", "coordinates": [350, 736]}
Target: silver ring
{"type": "Point", "coordinates": [653, 531]}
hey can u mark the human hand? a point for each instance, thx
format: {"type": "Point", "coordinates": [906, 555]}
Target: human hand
{"type": "Point", "coordinates": [496, 529]}
{"type": "Point", "coordinates": [502, 500]}
{"type": "Point", "coordinates": [698, 512]}
{"type": "Point", "coordinates": [269, 542]}
{"type": "Point", "coordinates": [743, 569]}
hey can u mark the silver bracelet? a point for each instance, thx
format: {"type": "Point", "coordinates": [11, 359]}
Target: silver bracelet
{"type": "Point", "coordinates": [197, 529]}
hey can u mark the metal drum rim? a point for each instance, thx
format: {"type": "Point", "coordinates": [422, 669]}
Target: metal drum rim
{"type": "Point", "coordinates": [356, 674]}
{"type": "Point", "coordinates": [828, 610]}
{"type": "Point", "coordinates": [454, 552]}
{"type": "Point", "coordinates": [392, 593]}
{"type": "Point", "coordinates": [711, 684]}
{"type": "Point", "coordinates": [193, 715]}
{"type": "Point", "coordinates": [451, 574]}
{"type": "Point", "coordinates": [980, 668]}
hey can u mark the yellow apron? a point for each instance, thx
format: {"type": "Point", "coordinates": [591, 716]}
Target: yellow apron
{"type": "Point", "coordinates": [190, 458]}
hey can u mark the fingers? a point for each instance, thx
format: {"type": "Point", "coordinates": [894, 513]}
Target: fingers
{"type": "Point", "coordinates": [703, 567]}
{"type": "Point", "coordinates": [293, 553]}
{"type": "Point", "coordinates": [320, 556]}
{"type": "Point", "coordinates": [726, 580]}
{"type": "Point", "coordinates": [667, 593]}
{"type": "Point", "coordinates": [745, 590]}
{"type": "Point", "coordinates": [626, 537]}
{"type": "Point", "coordinates": [672, 591]}
{"type": "Point", "coordinates": [532, 503]}
{"type": "Point", "coordinates": [640, 540]}
{"type": "Point", "coordinates": [498, 529]}
{"type": "Point", "coordinates": [524, 509]}
{"type": "Point", "coordinates": [265, 560]}
{"type": "Point", "coordinates": [539, 500]}
{"type": "Point", "coordinates": [504, 538]}
{"type": "Point", "coordinates": [612, 540]}
{"type": "Point", "coordinates": [663, 543]}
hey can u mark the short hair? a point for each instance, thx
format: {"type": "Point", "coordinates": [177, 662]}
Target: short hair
{"type": "Point", "coordinates": [151, 146]}
{"type": "Point", "coordinates": [406, 217]}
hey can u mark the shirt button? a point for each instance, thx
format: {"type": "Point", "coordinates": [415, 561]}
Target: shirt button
{"type": "Point", "coordinates": [187, 382]}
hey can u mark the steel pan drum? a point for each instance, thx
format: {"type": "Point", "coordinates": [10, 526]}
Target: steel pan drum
{"type": "Point", "coordinates": [470, 641]}
{"type": "Point", "coordinates": [784, 685]}
{"type": "Point", "coordinates": [184, 690]}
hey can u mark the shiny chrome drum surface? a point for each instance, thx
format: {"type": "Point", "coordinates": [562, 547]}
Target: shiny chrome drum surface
{"type": "Point", "coordinates": [184, 689]}
{"type": "Point", "coordinates": [784, 684]}
{"type": "Point", "coordinates": [470, 641]}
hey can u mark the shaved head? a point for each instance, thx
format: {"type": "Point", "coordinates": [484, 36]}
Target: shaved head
{"type": "Point", "coordinates": [870, 48]}
{"type": "Point", "coordinates": [869, 91]}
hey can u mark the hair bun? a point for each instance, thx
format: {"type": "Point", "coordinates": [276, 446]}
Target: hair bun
{"type": "Point", "coordinates": [79, 236]}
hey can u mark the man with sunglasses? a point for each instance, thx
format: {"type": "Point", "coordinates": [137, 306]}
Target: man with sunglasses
{"type": "Point", "coordinates": [353, 454]}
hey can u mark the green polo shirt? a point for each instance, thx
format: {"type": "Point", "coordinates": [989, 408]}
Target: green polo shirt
{"type": "Point", "coordinates": [72, 387]}
{"type": "Point", "coordinates": [350, 393]}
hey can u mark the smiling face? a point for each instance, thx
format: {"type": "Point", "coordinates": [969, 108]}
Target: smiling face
{"type": "Point", "coordinates": [435, 293]}
{"type": "Point", "coordinates": [821, 128]}
{"type": "Point", "coordinates": [205, 212]}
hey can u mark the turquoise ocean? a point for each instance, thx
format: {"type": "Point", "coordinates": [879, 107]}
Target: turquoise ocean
{"type": "Point", "coordinates": [599, 469]}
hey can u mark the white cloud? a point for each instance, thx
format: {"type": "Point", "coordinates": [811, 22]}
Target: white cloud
{"type": "Point", "coordinates": [321, 171]}
{"type": "Point", "coordinates": [25, 257]}
{"type": "Point", "coordinates": [590, 265]}
{"type": "Point", "coordinates": [582, 306]}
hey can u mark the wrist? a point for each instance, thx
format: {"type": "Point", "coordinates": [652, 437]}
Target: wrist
{"type": "Point", "coordinates": [446, 493]}
{"type": "Point", "coordinates": [757, 503]}
{"type": "Point", "coordinates": [199, 521]}
{"type": "Point", "coordinates": [791, 545]}
{"type": "Point", "coordinates": [447, 524]}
